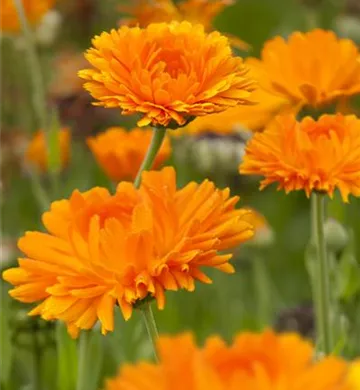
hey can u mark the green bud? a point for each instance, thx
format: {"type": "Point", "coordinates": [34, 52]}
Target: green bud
{"type": "Point", "coordinates": [336, 236]}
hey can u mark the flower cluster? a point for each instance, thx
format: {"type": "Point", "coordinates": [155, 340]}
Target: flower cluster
{"type": "Point", "coordinates": [120, 152]}
{"type": "Point", "coordinates": [103, 249]}
{"type": "Point", "coordinates": [167, 73]}
{"type": "Point", "coordinates": [253, 361]}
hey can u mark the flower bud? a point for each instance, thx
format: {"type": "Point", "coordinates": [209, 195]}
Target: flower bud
{"type": "Point", "coordinates": [336, 236]}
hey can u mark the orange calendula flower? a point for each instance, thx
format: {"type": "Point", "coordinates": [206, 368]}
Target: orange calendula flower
{"type": "Point", "coordinates": [253, 361]}
{"type": "Point", "coordinates": [168, 73]}
{"type": "Point", "coordinates": [101, 249]}
{"type": "Point", "coordinates": [145, 12]}
{"type": "Point", "coordinates": [120, 152]}
{"type": "Point", "coordinates": [34, 11]}
{"type": "Point", "coordinates": [310, 155]}
{"type": "Point", "coordinates": [313, 68]}
{"type": "Point", "coordinates": [37, 151]}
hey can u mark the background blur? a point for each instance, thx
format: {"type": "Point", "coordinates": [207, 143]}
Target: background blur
{"type": "Point", "coordinates": [271, 286]}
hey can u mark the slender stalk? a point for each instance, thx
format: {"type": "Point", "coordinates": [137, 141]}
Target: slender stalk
{"type": "Point", "coordinates": [262, 288]}
{"type": "Point", "coordinates": [39, 97]}
{"type": "Point", "coordinates": [156, 141]}
{"type": "Point", "coordinates": [41, 195]}
{"type": "Point", "coordinates": [37, 383]}
{"type": "Point", "coordinates": [38, 90]}
{"type": "Point", "coordinates": [82, 360]}
{"type": "Point", "coordinates": [323, 299]}
{"type": "Point", "coordinates": [150, 325]}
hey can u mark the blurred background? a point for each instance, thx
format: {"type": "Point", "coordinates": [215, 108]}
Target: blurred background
{"type": "Point", "coordinates": [271, 286]}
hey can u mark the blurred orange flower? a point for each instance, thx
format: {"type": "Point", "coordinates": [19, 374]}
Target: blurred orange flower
{"type": "Point", "coordinates": [309, 155]}
{"type": "Point", "coordinates": [37, 152]}
{"type": "Point", "coordinates": [168, 73]}
{"type": "Point", "coordinates": [102, 249]}
{"type": "Point", "coordinates": [252, 117]}
{"type": "Point", "coordinates": [120, 152]}
{"type": "Point", "coordinates": [266, 361]}
{"type": "Point", "coordinates": [145, 12]}
{"type": "Point", "coordinates": [34, 10]}
{"type": "Point", "coordinates": [311, 68]}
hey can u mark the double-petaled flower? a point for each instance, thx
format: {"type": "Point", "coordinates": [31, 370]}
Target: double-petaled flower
{"type": "Point", "coordinates": [102, 250]}
{"type": "Point", "coordinates": [166, 73]}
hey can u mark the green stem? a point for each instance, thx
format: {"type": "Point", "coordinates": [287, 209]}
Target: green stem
{"type": "Point", "coordinates": [261, 284]}
{"type": "Point", "coordinates": [37, 383]}
{"type": "Point", "coordinates": [82, 360]}
{"type": "Point", "coordinates": [150, 325]}
{"type": "Point", "coordinates": [41, 195]}
{"type": "Point", "coordinates": [156, 141]}
{"type": "Point", "coordinates": [39, 97]}
{"type": "Point", "coordinates": [323, 298]}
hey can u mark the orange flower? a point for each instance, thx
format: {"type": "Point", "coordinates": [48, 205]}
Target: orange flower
{"type": "Point", "coordinates": [264, 361]}
{"type": "Point", "coordinates": [311, 68]}
{"type": "Point", "coordinates": [144, 12]}
{"type": "Point", "coordinates": [102, 249]}
{"type": "Point", "coordinates": [34, 10]}
{"type": "Point", "coordinates": [253, 117]}
{"type": "Point", "coordinates": [169, 73]}
{"type": "Point", "coordinates": [311, 155]}
{"type": "Point", "coordinates": [120, 152]}
{"type": "Point", "coordinates": [37, 153]}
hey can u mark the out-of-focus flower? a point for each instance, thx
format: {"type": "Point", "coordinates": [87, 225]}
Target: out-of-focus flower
{"type": "Point", "coordinates": [48, 28]}
{"type": "Point", "coordinates": [102, 249]}
{"type": "Point", "coordinates": [253, 361]}
{"type": "Point", "coordinates": [213, 155]}
{"type": "Point", "coordinates": [309, 69]}
{"type": "Point", "coordinates": [168, 73]}
{"type": "Point", "coordinates": [34, 11]}
{"type": "Point", "coordinates": [120, 152]}
{"type": "Point", "coordinates": [253, 117]}
{"type": "Point", "coordinates": [310, 155]}
{"type": "Point", "coordinates": [144, 12]}
{"type": "Point", "coordinates": [36, 154]}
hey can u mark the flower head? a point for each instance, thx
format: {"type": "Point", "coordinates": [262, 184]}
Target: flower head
{"type": "Point", "coordinates": [311, 68]}
{"type": "Point", "coordinates": [145, 12]}
{"type": "Point", "coordinates": [37, 152]}
{"type": "Point", "coordinates": [102, 249]}
{"type": "Point", "coordinates": [309, 155]}
{"type": "Point", "coordinates": [34, 11]}
{"type": "Point", "coordinates": [168, 73]}
{"type": "Point", "coordinates": [253, 361]}
{"type": "Point", "coordinates": [120, 152]}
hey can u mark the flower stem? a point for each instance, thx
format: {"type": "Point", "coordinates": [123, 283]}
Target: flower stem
{"type": "Point", "coordinates": [39, 97]}
{"type": "Point", "coordinates": [37, 383]}
{"type": "Point", "coordinates": [322, 291]}
{"type": "Point", "coordinates": [156, 141]}
{"type": "Point", "coordinates": [82, 360]}
{"type": "Point", "coordinates": [150, 325]}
